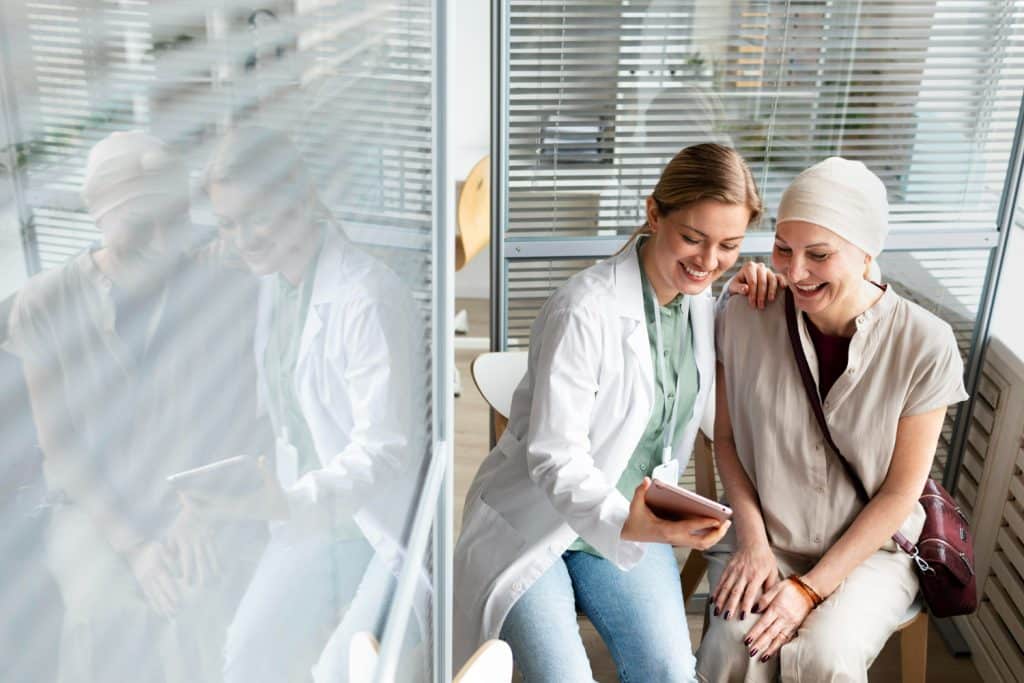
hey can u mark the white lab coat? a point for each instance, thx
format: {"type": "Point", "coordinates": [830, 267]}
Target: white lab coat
{"type": "Point", "coordinates": [361, 382]}
{"type": "Point", "coordinates": [576, 419]}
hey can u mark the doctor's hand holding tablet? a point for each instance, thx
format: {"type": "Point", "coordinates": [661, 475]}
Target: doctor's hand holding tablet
{"type": "Point", "coordinates": [663, 513]}
{"type": "Point", "coordinates": [238, 488]}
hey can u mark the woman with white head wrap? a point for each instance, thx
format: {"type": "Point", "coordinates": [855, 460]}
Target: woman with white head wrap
{"type": "Point", "coordinates": [137, 192]}
{"type": "Point", "coordinates": [116, 350]}
{"type": "Point", "coordinates": [886, 370]}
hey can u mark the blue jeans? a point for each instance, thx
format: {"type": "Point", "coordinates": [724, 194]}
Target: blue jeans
{"type": "Point", "coordinates": [638, 613]}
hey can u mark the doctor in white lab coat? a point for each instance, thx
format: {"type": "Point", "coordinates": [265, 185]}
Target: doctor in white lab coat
{"type": "Point", "coordinates": [555, 518]}
{"type": "Point", "coordinates": [344, 383]}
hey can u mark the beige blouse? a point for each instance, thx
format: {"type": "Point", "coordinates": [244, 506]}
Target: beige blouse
{"type": "Point", "coordinates": [902, 361]}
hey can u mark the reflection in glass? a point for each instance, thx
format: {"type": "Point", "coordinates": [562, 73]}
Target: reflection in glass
{"type": "Point", "coordinates": [130, 381]}
{"type": "Point", "coordinates": [216, 402]}
{"type": "Point", "coordinates": [335, 349]}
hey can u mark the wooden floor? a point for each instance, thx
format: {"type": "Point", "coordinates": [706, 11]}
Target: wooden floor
{"type": "Point", "coordinates": [471, 446]}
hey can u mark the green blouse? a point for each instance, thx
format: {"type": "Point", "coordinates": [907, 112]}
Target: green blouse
{"type": "Point", "coordinates": [678, 345]}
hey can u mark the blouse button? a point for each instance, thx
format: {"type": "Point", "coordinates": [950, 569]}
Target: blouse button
{"type": "Point", "coordinates": [851, 371]}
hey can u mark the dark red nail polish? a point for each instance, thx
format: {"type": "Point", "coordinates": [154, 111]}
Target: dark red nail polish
{"type": "Point", "coordinates": [764, 659]}
{"type": "Point", "coordinates": [748, 641]}
{"type": "Point", "coordinates": [743, 615]}
{"type": "Point", "coordinates": [726, 616]}
{"type": "Point", "coordinates": [753, 652]}
{"type": "Point", "coordinates": [716, 611]}
{"type": "Point", "coordinates": [755, 610]}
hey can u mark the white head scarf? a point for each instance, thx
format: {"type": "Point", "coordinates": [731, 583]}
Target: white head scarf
{"type": "Point", "coordinates": [843, 196]}
{"type": "Point", "coordinates": [126, 166]}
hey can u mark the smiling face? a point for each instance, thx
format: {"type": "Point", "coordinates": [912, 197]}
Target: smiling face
{"type": "Point", "coordinates": [693, 245]}
{"type": "Point", "coordinates": [269, 229]}
{"type": "Point", "coordinates": [826, 273]}
{"type": "Point", "coordinates": [144, 230]}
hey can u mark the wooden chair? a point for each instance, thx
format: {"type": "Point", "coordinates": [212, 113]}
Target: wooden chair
{"type": "Point", "coordinates": [914, 648]}
{"type": "Point", "coordinates": [473, 213]}
{"type": "Point", "coordinates": [491, 663]}
{"type": "Point", "coordinates": [497, 375]}
{"type": "Point", "coordinates": [704, 474]}
{"type": "Point", "coordinates": [473, 231]}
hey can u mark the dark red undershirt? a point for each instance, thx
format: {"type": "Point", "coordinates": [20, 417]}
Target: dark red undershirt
{"type": "Point", "coordinates": [833, 356]}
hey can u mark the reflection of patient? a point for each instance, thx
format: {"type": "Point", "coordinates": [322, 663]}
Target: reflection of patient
{"type": "Point", "coordinates": [115, 351]}
{"type": "Point", "coordinates": [341, 376]}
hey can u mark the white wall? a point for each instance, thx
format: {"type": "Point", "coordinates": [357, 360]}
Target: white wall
{"type": "Point", "coordinates": [470, 115]}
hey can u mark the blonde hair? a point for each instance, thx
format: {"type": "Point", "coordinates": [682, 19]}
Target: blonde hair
{"type": "Point", "coordinates": [699, 172]}
{"type": "Point", "coordinates": [266, 161]}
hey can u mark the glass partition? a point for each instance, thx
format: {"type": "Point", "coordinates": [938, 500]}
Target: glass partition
{"type": "Point", "coordinates": [223, 339]}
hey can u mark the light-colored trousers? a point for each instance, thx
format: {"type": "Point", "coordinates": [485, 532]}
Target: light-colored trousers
{"type": "Point", "coordinates": [837, 642]}
{"type": "Point", "coordinates": [109, 633]}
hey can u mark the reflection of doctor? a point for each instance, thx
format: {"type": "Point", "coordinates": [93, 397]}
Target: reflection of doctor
{"type": "Point", "coordinates": [343, 383]}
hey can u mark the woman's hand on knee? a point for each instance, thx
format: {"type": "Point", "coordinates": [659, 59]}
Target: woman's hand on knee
{"type": "Point", "coordinates": [783, 608]}
{"type": "Point", "coordinates": [759, 283]}
{"type": "Point", "coordinates": [644, 526]}
{"type": "Point", "coordinates": [751, 570]}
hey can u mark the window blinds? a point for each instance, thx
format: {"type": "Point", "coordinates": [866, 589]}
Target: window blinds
{"type": "Point", "coordinates": [602, 93]}
{"type": "Point", "coordinates": [350, 82]}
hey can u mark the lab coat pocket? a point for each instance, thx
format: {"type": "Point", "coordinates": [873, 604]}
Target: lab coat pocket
{"type": "Point", "coordinates": [489, 544]}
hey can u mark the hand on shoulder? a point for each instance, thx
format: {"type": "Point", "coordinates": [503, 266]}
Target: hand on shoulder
{"type": "Point", "coordinates": [758, 283]}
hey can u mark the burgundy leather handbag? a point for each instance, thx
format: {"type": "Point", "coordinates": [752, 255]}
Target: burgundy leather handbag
{"type": "Point", "coordinates": [944, 554]}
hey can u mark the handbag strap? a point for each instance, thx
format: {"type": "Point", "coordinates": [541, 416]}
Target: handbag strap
{"type": "Point", "coordinates": [812, 395]}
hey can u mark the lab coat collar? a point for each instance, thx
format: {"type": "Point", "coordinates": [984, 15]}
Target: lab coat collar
{"type": "Point", "coordinates": [630, 304]}
{"type": "Point", "coordinates": [629, 301]}
{"type": "Point", "coordinates": [629, 290]}
{"type": "Point", "coordinates": [327, 281]}
{"type": "Point", "coordinates": [330, 265]}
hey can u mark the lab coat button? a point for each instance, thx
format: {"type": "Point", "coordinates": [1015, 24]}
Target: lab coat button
{"type": "Point", "coordinates": [517, 587]}
{"type": "Point", "coordinates": [851, 371]}
{"type": "Point", "coordinates": [555, 549]}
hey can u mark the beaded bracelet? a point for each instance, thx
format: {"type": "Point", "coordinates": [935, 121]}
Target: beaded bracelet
{"type": "Point", "coordinates": [809, 592]}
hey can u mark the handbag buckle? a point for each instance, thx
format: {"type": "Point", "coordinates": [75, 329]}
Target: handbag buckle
{"type": "Point", "coordinates": [922, 564]}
